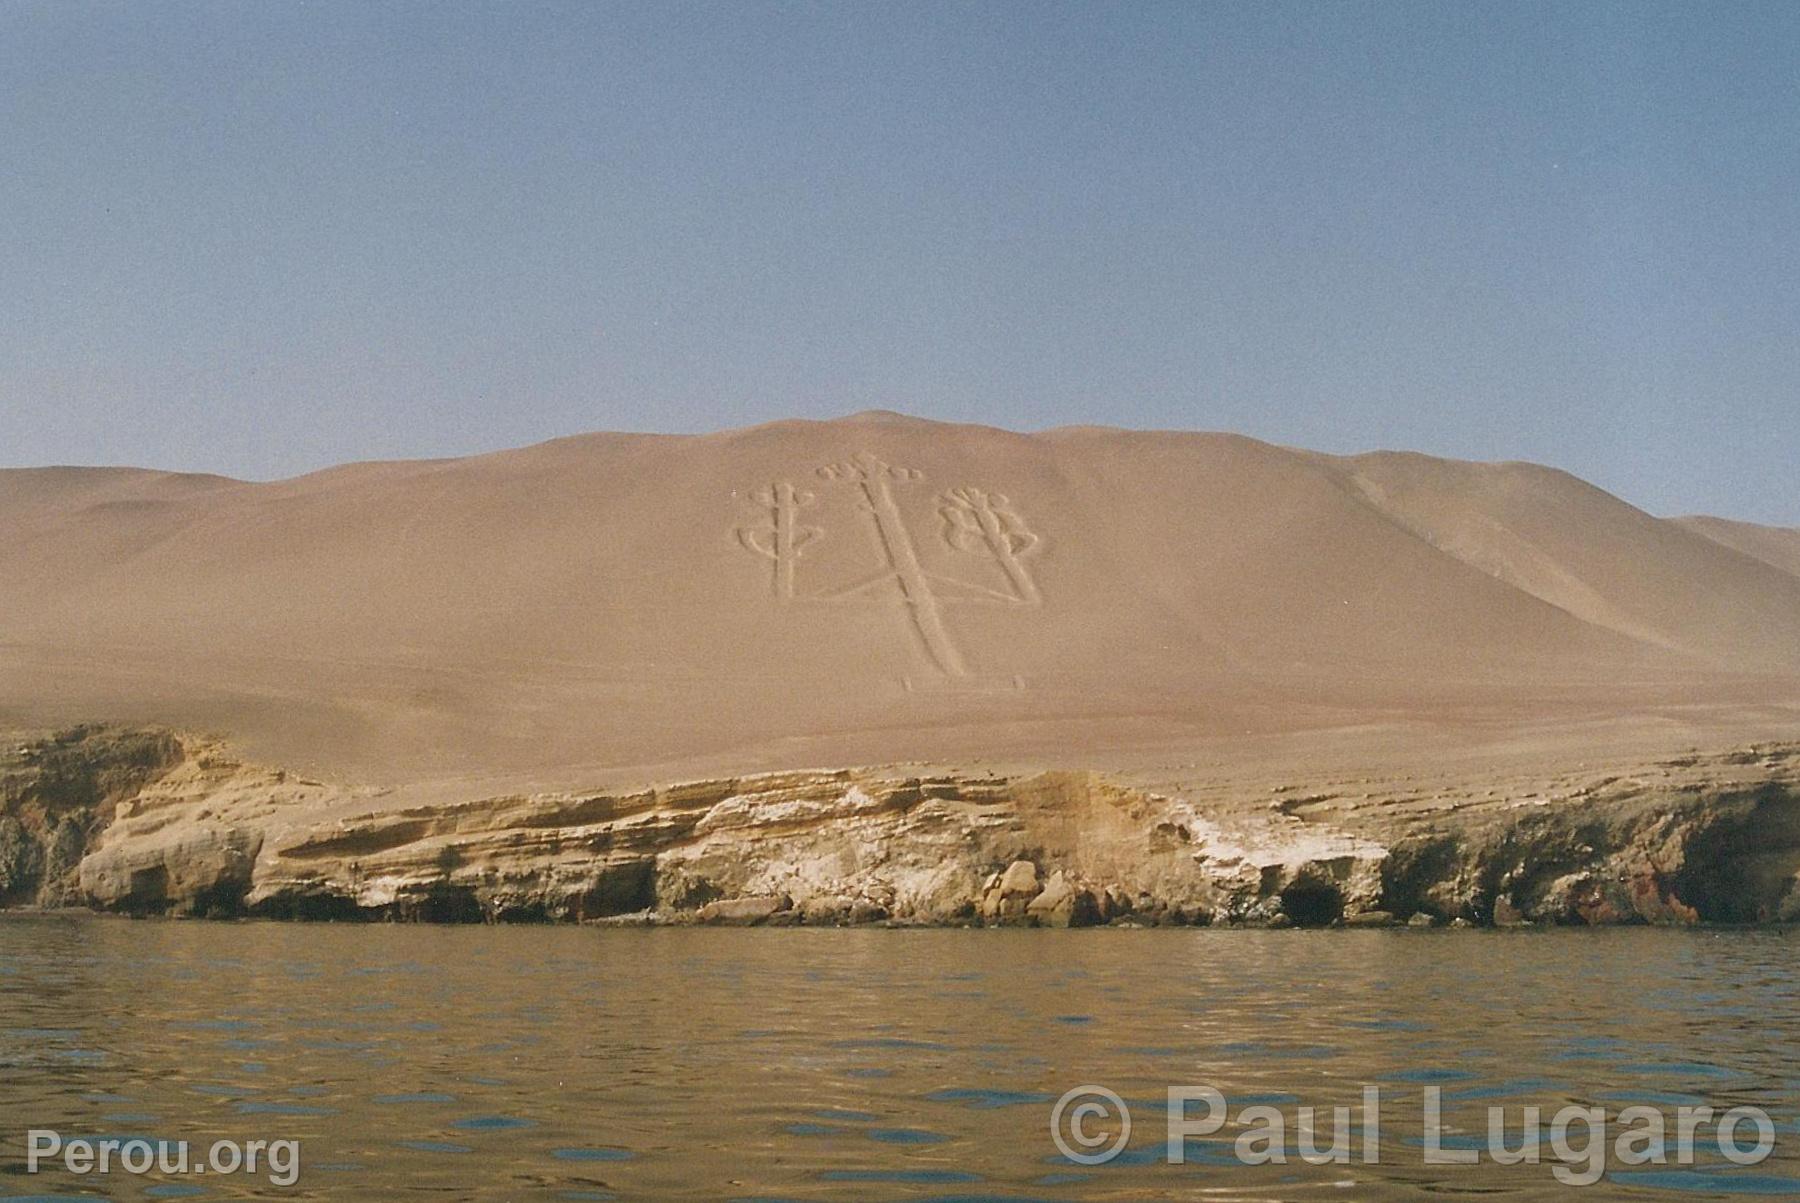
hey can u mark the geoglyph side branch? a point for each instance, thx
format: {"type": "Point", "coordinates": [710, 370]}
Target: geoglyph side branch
{"type": "Point", "coordinates": [975, 519]}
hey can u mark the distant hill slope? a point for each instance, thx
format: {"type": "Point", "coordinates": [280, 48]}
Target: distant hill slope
{"type": "Point", "coordinates": [873, 587]}
{"type": "Point", "coordinates": [1775, 545]}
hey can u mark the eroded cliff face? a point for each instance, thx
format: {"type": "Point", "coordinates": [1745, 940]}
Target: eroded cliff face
{"type": "Point", "coordinates": [173, 824]}
{"type": "Point", "coordinates": [56, 796]}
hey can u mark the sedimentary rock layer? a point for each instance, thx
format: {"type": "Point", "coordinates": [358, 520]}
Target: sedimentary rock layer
{"type": "Point", "coordinates": [154, 822]}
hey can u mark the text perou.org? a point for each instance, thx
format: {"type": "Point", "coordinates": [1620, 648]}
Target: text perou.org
{"type": "Point", "coordinates": [277, 1160]}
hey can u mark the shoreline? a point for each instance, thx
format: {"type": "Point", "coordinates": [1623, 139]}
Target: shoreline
{"type": "Point", "coordinates": [147, 821]}
{"type": "Point", "coordinates": [652, 922]}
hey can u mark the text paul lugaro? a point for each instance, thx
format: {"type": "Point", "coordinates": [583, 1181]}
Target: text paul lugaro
{"type": "Point", "coordinates": [1092, 1125]}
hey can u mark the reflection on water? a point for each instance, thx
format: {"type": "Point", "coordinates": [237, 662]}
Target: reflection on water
{"type": "Point", "coordinates": [562, 1063]}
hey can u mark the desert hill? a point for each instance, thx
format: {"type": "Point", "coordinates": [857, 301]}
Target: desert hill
{"type": "Point", "coordinates": [1775, 545]}
{"type": "Point", "coordinates": [876, 588]}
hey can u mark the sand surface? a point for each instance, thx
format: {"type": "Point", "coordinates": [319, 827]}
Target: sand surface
{"type": "Point", "coordinates": [615, 608]}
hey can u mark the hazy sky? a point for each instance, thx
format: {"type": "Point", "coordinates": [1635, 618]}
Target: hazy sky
{"type": "Point", "coordinates": [263, 238]}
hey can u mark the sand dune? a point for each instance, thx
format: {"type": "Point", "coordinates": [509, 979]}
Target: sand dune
{"type": "Point", "coordinates": [873, 588]}
{"type": "Point", "coordinates": [1775, 545]}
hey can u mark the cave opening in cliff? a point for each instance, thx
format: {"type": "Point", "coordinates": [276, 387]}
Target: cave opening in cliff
{"type": "Point", "coordinates": [1740, 867]}
{"type": "Point", "coordinates": [1312, 902]}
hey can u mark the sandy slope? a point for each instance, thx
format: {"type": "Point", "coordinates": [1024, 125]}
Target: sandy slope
{"type": "Point", "coordinates": [1775, 545]}
{"type": "Point", "coordinates": [627, 607]}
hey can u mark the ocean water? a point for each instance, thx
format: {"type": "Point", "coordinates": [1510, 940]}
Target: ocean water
{"type": "Point", "coordinates": [566, 1063]}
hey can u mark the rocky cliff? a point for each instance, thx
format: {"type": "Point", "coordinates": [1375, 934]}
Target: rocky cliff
{"type": "Point", "coordinates": [154, 822]}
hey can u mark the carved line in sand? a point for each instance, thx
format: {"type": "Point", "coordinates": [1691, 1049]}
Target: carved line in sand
{"type": "Point", "coordinates": [784, 538]}
{"type": "Point", "coordinates": [976, 521]}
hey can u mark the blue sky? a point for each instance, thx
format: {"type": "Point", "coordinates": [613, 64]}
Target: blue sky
{"type": "Point", "coordinates": [259, 239]}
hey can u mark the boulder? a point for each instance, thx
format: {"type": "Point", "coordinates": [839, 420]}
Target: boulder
{"type": "Point", "coordinates": [743, 912]}
{"type": "Point", "coordinates": [1506, 914]}
{"type": "Point", "coordinates": [1062, 903]}
{"type": "Point", "coordinates": [864, 911]}
{"type": "Point", "coordinates": [1116, 905]}
{"type": "Point", "coordinates": [1020, 879]}
{"type": "Point", "coordinates": [1008, 894]}
{"type": "Point", "coordinates": [1369, 919]}
{"type": "Point", "coordinates": [826, 910]}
